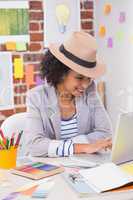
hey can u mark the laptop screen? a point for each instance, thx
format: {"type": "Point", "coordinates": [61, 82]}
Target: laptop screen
{"type": "Point", "coordinates": [122, 150]}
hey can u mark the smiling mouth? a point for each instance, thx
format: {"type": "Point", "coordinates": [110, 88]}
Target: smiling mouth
{"type": "Point", "coordinates": [80, 91]}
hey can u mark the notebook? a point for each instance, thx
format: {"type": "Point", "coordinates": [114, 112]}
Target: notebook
{"type": "Point", "coordinates": [105, 177]}
{"type": "Point", "coordinates": [37, 170]}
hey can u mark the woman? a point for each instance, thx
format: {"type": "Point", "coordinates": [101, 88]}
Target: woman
{"type": "Point", "coordinates": [65, 115]}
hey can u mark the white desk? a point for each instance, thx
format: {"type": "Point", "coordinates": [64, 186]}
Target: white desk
{"type": "Point", "coordinates": [61, 189]}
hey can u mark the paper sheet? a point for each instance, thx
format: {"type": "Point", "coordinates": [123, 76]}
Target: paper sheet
{"type": "Point", "coordinates": [10, 46]}
{"type": "Point", "coordinates": [102, 31]}
{"type": "Point", "coordinates": [128, 168]}
{"type": "Point", "coordinates": [18, 68]}
{"type": "Point", "coordinates": [110, 42]}
{"type": "Point", "coordinates": [29, 75]}
{"type": "Point", "coordinates": [21, 46]}
{"type": "Point", "coordinates": [105, 177]}
{"type": "Point", "coordinates": [107, 9]}
{"type": "Point", "coordinates": [6, 81]}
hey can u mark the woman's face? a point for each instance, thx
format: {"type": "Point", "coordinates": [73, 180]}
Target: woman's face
{"type": "Point", "coordinates": [75, 84]}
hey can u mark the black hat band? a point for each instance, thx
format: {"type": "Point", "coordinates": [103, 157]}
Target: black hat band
{"type": "Point", "coordinates": [75, 59]}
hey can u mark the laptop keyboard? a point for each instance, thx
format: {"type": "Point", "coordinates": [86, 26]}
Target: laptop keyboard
{"type": "Point", "coordinates": [98, 158]}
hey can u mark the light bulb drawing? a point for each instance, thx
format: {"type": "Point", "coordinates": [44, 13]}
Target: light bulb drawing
{"type": "Point", "coordinates": [62, 15]}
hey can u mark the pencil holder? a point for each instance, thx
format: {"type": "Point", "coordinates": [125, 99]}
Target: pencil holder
{"type": "Point", "coordinates": [8, 158]}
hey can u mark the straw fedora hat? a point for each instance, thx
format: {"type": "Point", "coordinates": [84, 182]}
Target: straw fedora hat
{"type": "Point", "coordinates": [78, 52]}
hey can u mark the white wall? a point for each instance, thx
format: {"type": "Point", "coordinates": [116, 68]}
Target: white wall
{"type": "Point", "coordinates": [119, 59]}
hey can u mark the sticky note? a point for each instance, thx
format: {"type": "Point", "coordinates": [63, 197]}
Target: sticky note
{"type": "Point", "coordinates": [109, 42]}
{"type": "Point", "coordinates": [10, 46]}
{"type": "Point", "coordinates": [102, 31]}
{"type": "Point", "coordinates": [11, 196]}
{"type": "Point", "coordinates": [39, 81]}
{"type": "Point", "coordinates": [122, 17]}
{"type": "Point", "coordinates": [42, 190]}
{"type": "Point", "coordinates": [131, 39]}
{"type": "Point", "coordinates": [29, 75]}
{"type": "Point", "coordinates": [21, 46]}
{"type": "Point", "coordinates": [29, 191]}
{"type": "Point", "coordinates": [18, 68]}
{"type": "Point", "coordinates": [119, 35]}
{"type": "Point", "coordinates": [107, 9]}
{"type": "Point", "coordinates": [128, 168]}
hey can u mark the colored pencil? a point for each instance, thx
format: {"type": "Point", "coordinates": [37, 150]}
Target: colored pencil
{"type": "Point", "coordinates": [18, 138]}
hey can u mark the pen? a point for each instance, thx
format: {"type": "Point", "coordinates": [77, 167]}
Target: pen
{"type": "Point", "coordinates": [18, 139]}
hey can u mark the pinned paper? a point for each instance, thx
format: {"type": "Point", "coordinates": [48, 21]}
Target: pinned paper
{"type": "Point", "coordinates": [38, 80]}
{"type": "Point", "coordinates": [102, 31]}
{"type": "Point", "coordinates": [119, 35]}
{"type": "Point", "coordinates": [10, 46]}
{"type": "Point", "coordinates": [21, 46]}
{"type": "Point", "coordinates": [18, 68]}
{"type": "Point", "coordinates": [29, 75]}
{"type": "Point", "coordinates": [110, 42]}
{"type": "Point", "coordinates": [122, 17]}
{"type": "Point", "coordinates": [107, 9]}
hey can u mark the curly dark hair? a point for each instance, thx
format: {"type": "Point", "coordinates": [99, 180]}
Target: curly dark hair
{"type": "Point", "coordinates": [52, 69]}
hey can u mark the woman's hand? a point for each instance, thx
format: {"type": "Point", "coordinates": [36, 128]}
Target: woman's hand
{"type": "Point", "coordinates": [93, 147]}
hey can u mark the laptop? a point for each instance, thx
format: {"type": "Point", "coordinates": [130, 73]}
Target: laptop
{"type": "Point", "coordinates": [122, 149]}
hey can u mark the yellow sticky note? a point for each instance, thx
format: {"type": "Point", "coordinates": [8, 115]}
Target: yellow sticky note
{"type": "Point", "coordinates": [18, 68]}
{"type": "Point", "coordinates": [120, 35]}
{"type": "Point", "coordinates": [29, 75]}
{"type": "Point", "coordinates": [21, 46]}
{"type": "Point", "coordinates": [102, 31]}
{"type": "Point", "coordinates": [107, 9]}
{"type": "Point", "coordinates": [10, 46]}
{"type": "Point", "coordinates": [128, 168]}
{"type": "Point", "coordinates": [131, 39]}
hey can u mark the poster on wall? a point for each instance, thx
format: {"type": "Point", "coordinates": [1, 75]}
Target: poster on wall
{"type": "Point", "coordinates": [14, 18]}
{"type": "Point", "coordinates": [60, 18]}
{"type": "Point", "coordinates": [6, 81]}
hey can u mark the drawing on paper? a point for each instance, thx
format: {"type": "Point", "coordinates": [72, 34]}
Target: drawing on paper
{"type": "Point", "coordinates": [62, 16]}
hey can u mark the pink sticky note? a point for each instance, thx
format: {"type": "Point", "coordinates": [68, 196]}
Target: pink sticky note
{"type": "Point", "coordinates": [110, 42]}
{"type": "Point", "coordinates": [122, 17]}
{"type": "Point", "coordinates": [29, 75]}
{"type": "Point", "coordinates": [38, 80]}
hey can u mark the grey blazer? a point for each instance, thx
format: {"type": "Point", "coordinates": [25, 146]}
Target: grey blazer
{"type": "Point", "coordinates": [43, 123]}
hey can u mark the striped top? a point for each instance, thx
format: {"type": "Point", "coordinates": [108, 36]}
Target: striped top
{"type": "Point", "coordinates": [68, 131]}
{"type": "Point", "coordinates": [69, 128]}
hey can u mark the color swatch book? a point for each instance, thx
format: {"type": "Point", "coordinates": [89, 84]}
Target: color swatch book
{"type": "Point", "coordinates": [38, 189]}
{"type": "Point", "coordinates": [37, 170]}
